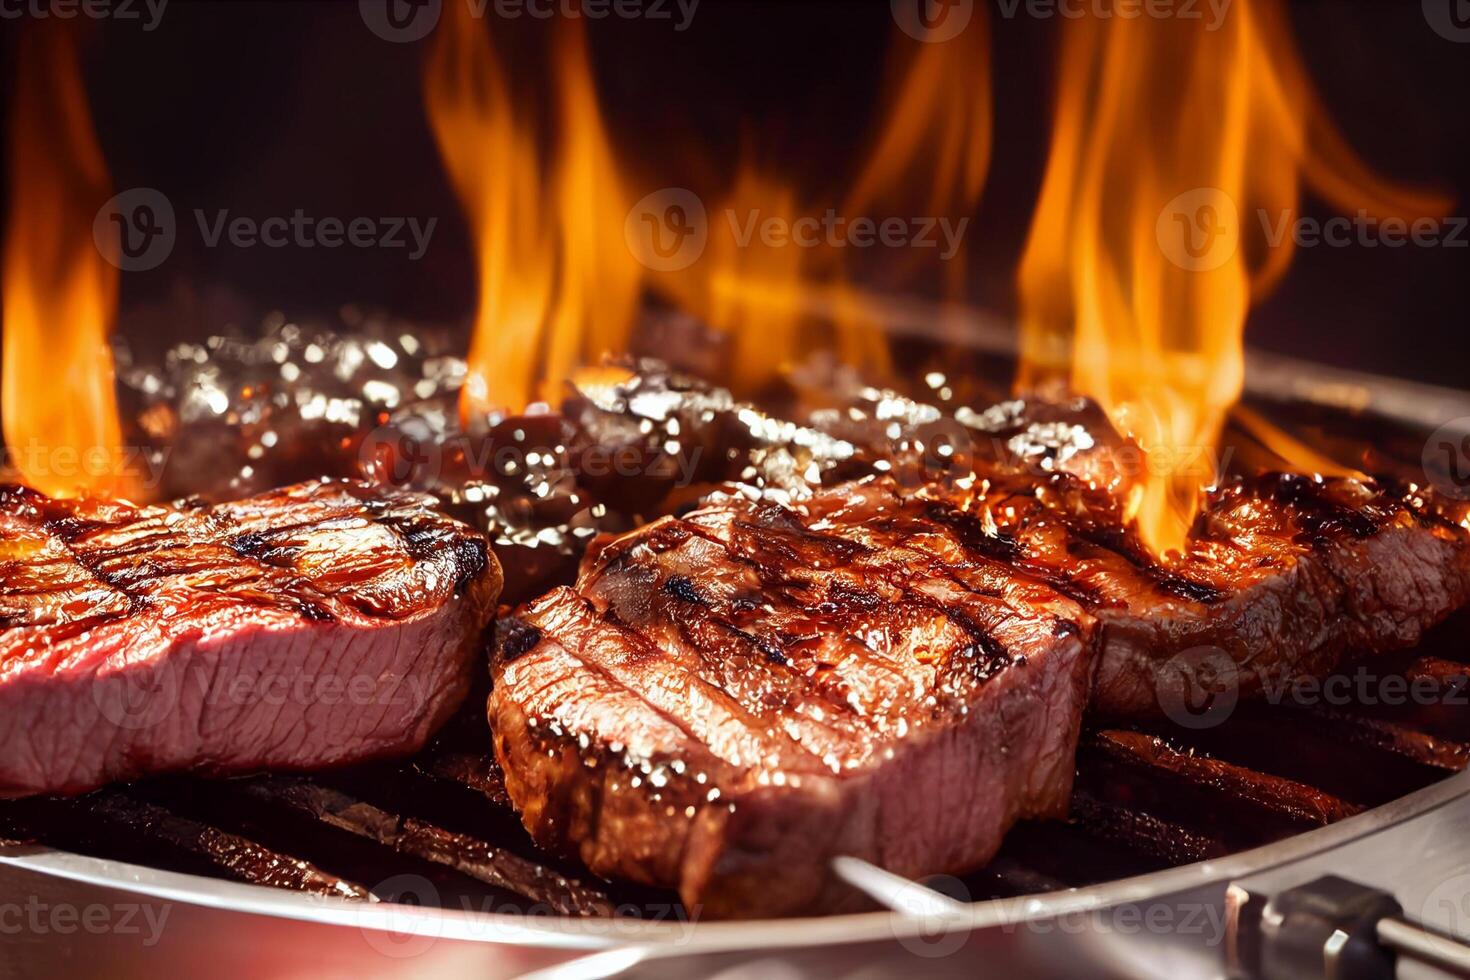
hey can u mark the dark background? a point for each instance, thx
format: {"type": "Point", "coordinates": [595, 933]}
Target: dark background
{"type": "Point", "coordinates": [265, 107]}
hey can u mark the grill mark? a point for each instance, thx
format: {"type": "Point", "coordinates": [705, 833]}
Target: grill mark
{"type": "Point", "coordinates": [701, 609]}
{"type": "Point", "coordinates": [1089, 599]}
{"type": "Point", "coordinates": [763, 571]}
{"type": "Point", "coordinates": [471, 558]}
{"type": "Point", "coordinates": [972, 535]}
{"type": "Point", "coordinates": [519, 638]}
{"type": "Point", "coordinates": [994, 650]}
{"type": "Point", "coordinates": [249, 545]}
{"type": "Point", "coordinates": [647, 651]}
{"type": "Point", "coordinates": [681, 588]}
{"type": "Point", "coordinates": [155, 552]}
{"type": "Point", "coordinates": [1320, 518]}
{"type": "Point", "coordinates": [1115, 541]}
{"type": "Point", "coordinates": [775, 584]}
{"type": "Point", "coordinates": [773, 587]}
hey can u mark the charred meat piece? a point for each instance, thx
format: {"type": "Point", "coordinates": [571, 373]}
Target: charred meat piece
{"type": "Point", "coordinates": [1283, 575]}
{"type": "Point", "coordinates": [317, 625]}
{"type": "Point", "coordinates": [1283, 578]}
{"type": "Point", "coordinates": [727, 701]}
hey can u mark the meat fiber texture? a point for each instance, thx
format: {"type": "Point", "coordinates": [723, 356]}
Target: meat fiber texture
{"type": "Point", "coordinates": [318, 625]}
{"type": "Point", "coordinates": [727, 701]}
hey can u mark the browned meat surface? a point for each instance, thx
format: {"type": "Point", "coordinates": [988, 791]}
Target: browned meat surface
{"type": "Point", "coordinates": [318, 625]}
{"type": "Point", "coordinates": [1284, 576]}
{"type": "Point", "coordinates": [727, 701]}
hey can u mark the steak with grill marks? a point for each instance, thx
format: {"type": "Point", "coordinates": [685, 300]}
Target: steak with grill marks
{"type": "Point", "coordinates": [1282, 576]}
{"type": "Point", "coordinates": [318, 625]}
{"type": "Point", "coordinates": [728, 700]}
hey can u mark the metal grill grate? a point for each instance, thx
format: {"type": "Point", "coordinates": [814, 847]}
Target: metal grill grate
{"type": "Point", "coordinates": [1144, 799]}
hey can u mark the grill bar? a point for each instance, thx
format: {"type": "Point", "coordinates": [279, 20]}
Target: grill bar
{"type": "Point", "coordinates": [1143, 800]}
{"type": "Point", "coordinates": [1286, 797]}
{"type": "Point", "coordinates": [1392, 736]}
{"type": "Point", "coordinates": [420, 839]}
{"type": "Point", "coordinates": [1144, 832]}
{"type": "Point", "coordinates": [142, 826]}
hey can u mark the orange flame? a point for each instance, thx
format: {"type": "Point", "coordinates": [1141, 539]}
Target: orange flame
{"type": "Point", "coordinates": [557, 286]}
{"type": "Point", "coordinates": [559, 283]}
{"type": "Point", "coordinates": [59, 295]}
{"type": "Point", "coordinates": [1143, 257]}
{"type": "Point", "coordinates": [779, 301]}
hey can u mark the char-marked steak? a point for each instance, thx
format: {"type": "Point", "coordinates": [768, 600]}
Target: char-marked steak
{"type": "Point", "coordinates": [1282, 577]}
{"type": "Point", "coordinates": [318, 625]}
{"type": "Point", "coordinates": [727, 701]}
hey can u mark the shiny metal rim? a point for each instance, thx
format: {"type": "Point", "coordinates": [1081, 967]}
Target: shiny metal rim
{"type": "Point", "coordinates": [712, 936]}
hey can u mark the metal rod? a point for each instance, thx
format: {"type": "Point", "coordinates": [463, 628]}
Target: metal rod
{"type": "Point", "coordinates": [1430, 946]}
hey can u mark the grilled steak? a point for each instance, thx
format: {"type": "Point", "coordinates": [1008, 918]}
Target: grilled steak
{"type": "Point", "coordinates": [317, 625]}
{"type": "Point", "coordinates": [1283, 576]}
{"type": "Point", "coordinates": [728, 700]}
